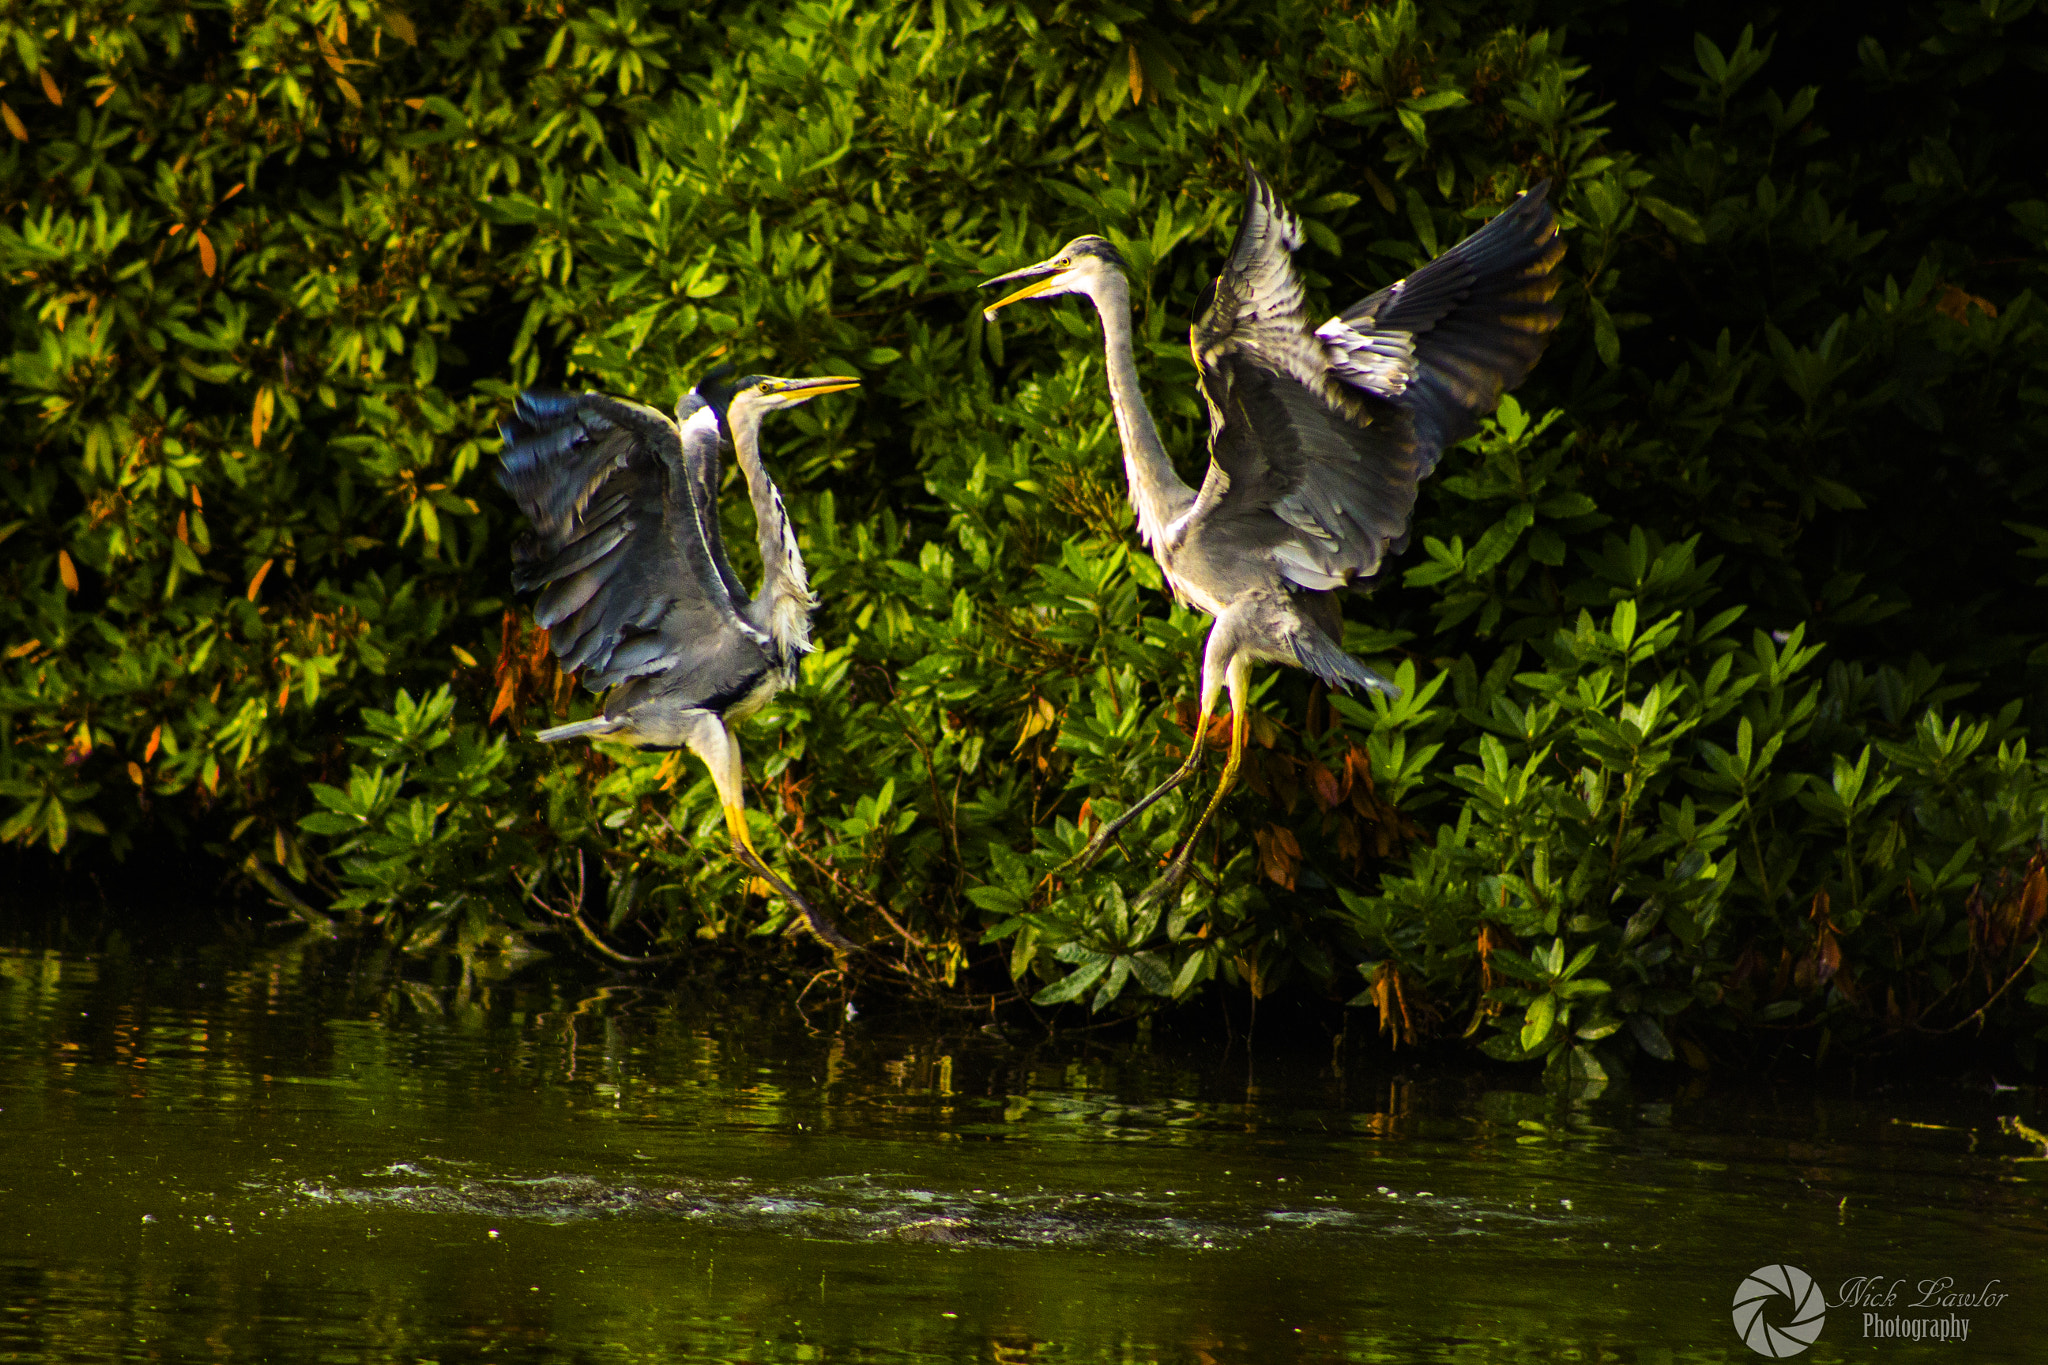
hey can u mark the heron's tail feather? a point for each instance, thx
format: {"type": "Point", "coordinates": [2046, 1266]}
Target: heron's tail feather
{"type": "Point", "coordinates": [1321, 656]}
{"type": "Point", "coordinates": [595, 727]}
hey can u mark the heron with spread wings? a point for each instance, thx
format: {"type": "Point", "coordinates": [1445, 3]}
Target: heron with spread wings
{"type": "Point", "coordinates": [1318, 437]}
{"type": "Point", "coordinates": [635, 589]}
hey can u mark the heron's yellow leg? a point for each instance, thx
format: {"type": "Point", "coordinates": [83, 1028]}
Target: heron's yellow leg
{"type": "Point", "coordinates": [736, 825]}
{"type": "Point", "coordinates": [714, 743]}
{"type": "Point", "coordinates": [1240, 721]}
{"type": "Point", "coordinates": [1114, 827]}
{"type": "Point", "coordinates": [819, 927]}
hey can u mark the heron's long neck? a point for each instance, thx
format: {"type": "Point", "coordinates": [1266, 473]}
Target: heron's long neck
{"type": "Point", "coordinates": [1156, 490]}
{"type": "Point", "coordinates": [784, 601]}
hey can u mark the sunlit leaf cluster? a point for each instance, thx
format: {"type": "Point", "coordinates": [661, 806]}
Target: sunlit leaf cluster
{"type": "Point", "coordinates": [1722, 655]}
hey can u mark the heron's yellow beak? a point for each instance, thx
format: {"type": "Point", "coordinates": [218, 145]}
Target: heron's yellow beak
{"type": "Point", "coordinates": [1037, 286]}
{"type": "Point", "coordinates": [818, 388]}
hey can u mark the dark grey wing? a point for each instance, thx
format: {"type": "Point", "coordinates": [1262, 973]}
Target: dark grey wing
{"type": "Point", "coordinates": [617, 548]}
{"type": "Point", "coordinates": [1325, 495]}
{"type": "Point", "coordinates": [1325, 434]}
{"type": "Point", "coordinates": [1257, 307]}
{"type": "Point", "coordinates": [1475, 320]}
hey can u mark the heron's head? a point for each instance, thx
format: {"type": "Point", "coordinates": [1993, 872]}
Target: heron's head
{"type": "Point", "coordinates": [1077, 268]}
{"type": "Point", "coordinates": [757, 395]}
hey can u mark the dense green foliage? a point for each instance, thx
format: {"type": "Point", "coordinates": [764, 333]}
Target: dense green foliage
{"type": "Point", "coordinates": [1719, 647]}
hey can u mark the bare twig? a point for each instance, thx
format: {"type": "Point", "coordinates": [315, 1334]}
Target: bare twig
{"type": "Point", "coordinates": [573, 916]}
{"type": "Point", "coordinates": [1978, 1013]}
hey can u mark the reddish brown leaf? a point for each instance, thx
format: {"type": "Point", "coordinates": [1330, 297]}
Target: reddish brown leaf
{"type": "Point", "coordinates": [1327, 790]}
{"type": "Point", "coordinates": [1279, 854]}
{"type": "Point", "coordinates": [2033, 900]}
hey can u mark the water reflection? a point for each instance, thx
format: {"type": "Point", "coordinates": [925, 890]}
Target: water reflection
{"type": "Point", "coordinates": [296, 1157]}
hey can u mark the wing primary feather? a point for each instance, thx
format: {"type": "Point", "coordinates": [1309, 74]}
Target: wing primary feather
{"type": "Point", "coordinates": [1318, 438]}
{"type": "Point", "coordinates": [626, 569]}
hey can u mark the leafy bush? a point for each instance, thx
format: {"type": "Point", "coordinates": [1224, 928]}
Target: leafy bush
{"type": "Point", "coordinates": [1672, 759]}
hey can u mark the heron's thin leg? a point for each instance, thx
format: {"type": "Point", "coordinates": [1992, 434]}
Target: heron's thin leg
{"type": "Point", "coordinates": [714, 743]}
{"type": "Point", "coordinates": [1110, 830]}
{"type": "Point", "coordinates": [1240, 720]}
{"type": "Point", "coordinates": [820, 928]}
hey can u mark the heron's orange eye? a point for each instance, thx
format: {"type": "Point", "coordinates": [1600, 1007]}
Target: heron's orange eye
{"type": "Point", "coordinates": [766, 387]}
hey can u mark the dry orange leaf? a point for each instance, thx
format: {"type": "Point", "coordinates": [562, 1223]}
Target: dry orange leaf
{"type": "Point", "coordinates": [134, 772]}
{"type": "Point", "coordinates": [256, 583]}
{"type": "Point", "coordinates": [67, 571]}
{"type": "Point", "coordinates": [50, 87]}
{"type": "Point", "coordinates": [13, 121]}
{"type": "Point", "coordinates": [399, 27]}
{"type": "Point", "coordinates": [1957, 303]}
{"type": "Point", "coordinates": [155, 738]}
{"type": "Point", "coordinates": [206, 257]}
{"type": "Point", "coordinates": [1137, 77]}
{"type": "Point", "coordinates": [25, 648]}
{"type": "Point", "coordinates": [348, 92]}
{"type": "Point", "coordinates": [508, 692]}
{"type": "Point", "coordinates": [260, 415]}
{"type": "Point", "coordinates": [105, 95]}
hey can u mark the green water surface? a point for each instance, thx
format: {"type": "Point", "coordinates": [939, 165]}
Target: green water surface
{"type": "Point", "coordinates": [294, 1159]}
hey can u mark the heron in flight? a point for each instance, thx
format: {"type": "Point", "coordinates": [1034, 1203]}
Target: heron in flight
{"type": "Point", "coordinates": [635, 588]}
{"type": "Point", "coordinates": [1318, 436]}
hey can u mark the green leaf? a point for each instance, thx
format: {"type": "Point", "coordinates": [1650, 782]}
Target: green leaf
{"type": "Point", "coordinates": [1676, 220]}
{"type": "Point", "coordinates": [1072, 985]}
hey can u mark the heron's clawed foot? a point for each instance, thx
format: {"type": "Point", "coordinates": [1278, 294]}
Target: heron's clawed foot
{"type": "Point", "coordinates": [1085, 859]}
{"type": "Point", "coordinates": [817, 925]}
{"type": "Point", "coordinates": [1167, 885]}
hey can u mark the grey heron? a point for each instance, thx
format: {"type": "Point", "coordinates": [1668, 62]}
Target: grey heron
{"type": "Point", "coordinates": [635, 588]}
{"type": "Point", "coordinates": [1318, 436]}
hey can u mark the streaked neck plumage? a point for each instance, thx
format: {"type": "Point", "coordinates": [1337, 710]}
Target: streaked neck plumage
{"type": "Point", "coordinates": [703, 449]}
{"type": "Point", "coordinates": [782, 606]}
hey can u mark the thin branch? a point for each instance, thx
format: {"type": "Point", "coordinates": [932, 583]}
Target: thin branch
{"type": "Point", "coordinates": [288, 898]}
{"type": "Point", "coordinates": [574, 916]}
{"type": "Point", "coordinates": [1978, 1013]}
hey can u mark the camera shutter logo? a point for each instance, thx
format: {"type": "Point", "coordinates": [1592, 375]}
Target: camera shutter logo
{"type": "Point", "coordinates": [1809, 1311]}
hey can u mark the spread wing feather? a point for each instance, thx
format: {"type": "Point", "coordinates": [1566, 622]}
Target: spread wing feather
{"type": "Point", "coordinates": [1318, 438]}
{"type": "Point", "coordinates": [1475, 319]}
{"type": "Point", "coordinates": [629, 578]}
